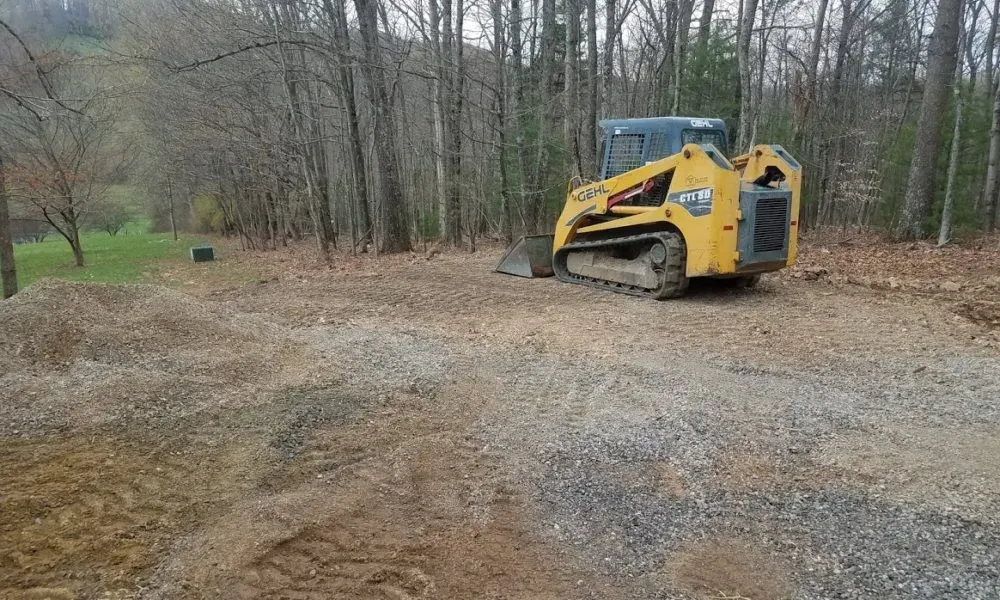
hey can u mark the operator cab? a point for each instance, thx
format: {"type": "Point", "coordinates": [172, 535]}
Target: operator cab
{"type": "Point", "coordinates": [628, 144]}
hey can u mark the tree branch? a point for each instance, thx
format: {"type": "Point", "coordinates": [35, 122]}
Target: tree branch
{"type": "Point", "coordinates": [40, 74]}
{"type": "Point", "coordinates": [194, 65]}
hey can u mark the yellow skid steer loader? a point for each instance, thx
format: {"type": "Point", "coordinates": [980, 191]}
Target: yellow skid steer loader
{"type": "Point", "coordinates": [669, 207]}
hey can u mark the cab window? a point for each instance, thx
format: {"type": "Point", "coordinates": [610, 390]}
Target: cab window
{"type": "Point", "coordinates": [706, 136]}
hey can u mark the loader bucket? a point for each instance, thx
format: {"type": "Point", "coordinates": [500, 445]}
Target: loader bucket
{"type": "Point", "coordinates": [530, 256]}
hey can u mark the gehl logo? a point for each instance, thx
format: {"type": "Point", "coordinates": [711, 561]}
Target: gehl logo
{"type": "Point", "coordinates": [591, 193]}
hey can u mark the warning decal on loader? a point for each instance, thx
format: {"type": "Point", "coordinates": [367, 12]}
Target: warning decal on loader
{"type": "Point", "coordinates": [697, 202]}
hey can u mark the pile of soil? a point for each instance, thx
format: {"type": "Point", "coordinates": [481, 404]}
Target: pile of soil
{"type": "Point", "coordinates": [78, 354]}
{"type": "Point", "coordinates": [52, 324]}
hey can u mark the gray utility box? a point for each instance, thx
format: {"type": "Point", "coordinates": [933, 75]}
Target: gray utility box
{"type": "Point", "coordinates": [203, 253]}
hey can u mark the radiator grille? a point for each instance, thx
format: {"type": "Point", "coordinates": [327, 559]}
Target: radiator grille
{"type": "Point", "coordinates": [770, 226]}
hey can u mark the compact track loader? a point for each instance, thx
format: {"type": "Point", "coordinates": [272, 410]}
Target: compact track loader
{"type": "Point", "coordinates": [669, 207]}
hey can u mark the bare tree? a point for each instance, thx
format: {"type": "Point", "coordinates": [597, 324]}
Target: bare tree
{"type": "Point", "coordinates": [392, 216]}
{"type": "Point", "coordinates": [457, 85]}
{"type": "Point", "coordinates": [684, 11]}
{"type": "Point", "coordinates": [8, 269]}
{"type": "Point", "coordinates": [67, 161]}
{"type": "Point", "coordinates": [743, 60]}
{"type": "Point", "coordinates": [345, 74]}
{"type": "Point", "coordinates": [589, 125]}
{"type": "Point", "coordinates": [944, 232]}
{"type": "Point", "coordinates": [571, 89]}
{"type": "Point", "coordinates": [942, 55]}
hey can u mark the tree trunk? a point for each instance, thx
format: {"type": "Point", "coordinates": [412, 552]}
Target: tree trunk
{"type": "Point", "coordinates": [547, 120]}
{"type": "Point", "coordinates": [499, 60]}
{"type": "Point", "coordinates": [589, 125]}
{"type": "Point", "coordinates": [454, 129]}
{"type": "Point", "coordinates": [944, 233]}
{"type": "Point", "coordinates": [941, 59]}
{"type": "Point", "coordinates": [519, 109]}
{"type": "Point", "coordinates": [170, 199]}
{"type": "Point", "coordinates": [608, 68]}
{"type": "Point", "coordinates": [294, 107]}
{"type": "Point", "coordinates": [357, 152]}
{"type": "Point", "coordinates": [705, 23]}
{"type": "Point", "coordinates": [664, 24]}
{"type": "Point", "coordinates": [8, 270]}
{"type": "Point", "coordinates": [992, 165]}
{"type": "Point", "coordinates": [356, 147]}
{"type": "Point", "coordinates": [393, 218]}
{"type": "Point", "coordinates": [685, 9]}
{"type": "Point", "coordinates": [571, 88]}
{"type": "Point", "coordinates": [812, 67]}
{"type": "Point", "coordinates": [991, 38]}
{"type": "Point", "coordinates": [743, 61]}
{"type": "Point", "coordinates": [440, 117]}
{"type": "Point", "coordinates": [832, 107]}
{"type": "Point", "coordinates": [969, 58]}
{"type": "Point", "coordinates": [74, 241]}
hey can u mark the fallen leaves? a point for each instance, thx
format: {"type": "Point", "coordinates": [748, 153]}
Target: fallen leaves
{"type": "Point", "coordinates": [967, 275]}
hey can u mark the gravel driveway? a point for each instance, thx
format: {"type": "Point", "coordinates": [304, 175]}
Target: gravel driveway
{"type": "Point", "coordinates": [437, 431]}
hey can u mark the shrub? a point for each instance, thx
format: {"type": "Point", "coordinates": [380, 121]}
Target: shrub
{"type": "Point", "coordinates": [208, 214]}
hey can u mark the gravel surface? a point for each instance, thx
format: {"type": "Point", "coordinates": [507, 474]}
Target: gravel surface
{"type": "Point", "coordinates": [359, 436]}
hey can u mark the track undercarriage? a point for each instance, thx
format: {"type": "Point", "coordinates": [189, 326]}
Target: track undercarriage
{"type": "Point", "coordinates": [650, 265]}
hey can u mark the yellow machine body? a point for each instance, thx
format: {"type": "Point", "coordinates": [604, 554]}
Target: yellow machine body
{"type": "Point", "coordinates": [669, 207]}
{"type": "Point", "coordinates": [711, 237]}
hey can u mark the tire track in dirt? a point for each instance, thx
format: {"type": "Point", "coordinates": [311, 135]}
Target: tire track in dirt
{"type": "Point", "coordinates": [426, 513]}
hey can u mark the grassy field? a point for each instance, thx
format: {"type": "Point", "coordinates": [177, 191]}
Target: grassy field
{"type": "Point", "coordinates": [130, 257]}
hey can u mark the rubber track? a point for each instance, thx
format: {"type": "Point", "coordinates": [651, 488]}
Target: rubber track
{"type": "Point", "coordinates": [559, 264]}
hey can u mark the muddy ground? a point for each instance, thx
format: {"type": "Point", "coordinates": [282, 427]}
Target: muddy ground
{"type": "Point", "coordinates": [424, 428]}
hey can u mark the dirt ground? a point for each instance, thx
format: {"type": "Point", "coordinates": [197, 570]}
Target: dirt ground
{"type": "Point", "coordinates": [414, 427]}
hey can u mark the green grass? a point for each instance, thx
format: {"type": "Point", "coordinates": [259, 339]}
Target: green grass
{"type": "Point", "coordinates": [126, 258]}
{"type": "Point", "coordinates": [79, 45]}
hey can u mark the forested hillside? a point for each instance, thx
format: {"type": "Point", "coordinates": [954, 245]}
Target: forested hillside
{"type": "Point", "coordinates": [378, 124]}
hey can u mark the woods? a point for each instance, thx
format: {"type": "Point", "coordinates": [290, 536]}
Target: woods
{"type": "Point", "coordinates": [383, 124]}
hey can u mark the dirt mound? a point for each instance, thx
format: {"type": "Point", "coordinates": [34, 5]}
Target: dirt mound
{"type": "Point", "coordinates": [53, 324]}
{"type": "Point", "coordinates": [81, 354]}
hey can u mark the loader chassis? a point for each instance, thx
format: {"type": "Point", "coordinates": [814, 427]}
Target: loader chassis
{"type": "Point", "coordinates": [670, 207]}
